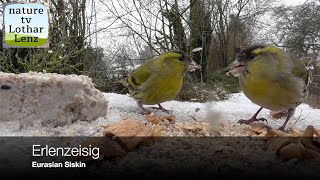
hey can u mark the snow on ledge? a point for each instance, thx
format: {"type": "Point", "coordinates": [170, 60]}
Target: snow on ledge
{"type": "Point", "coordinates": [52, 98]}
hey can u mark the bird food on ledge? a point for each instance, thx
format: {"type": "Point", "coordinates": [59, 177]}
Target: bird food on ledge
{"type": "Point", "coordinates": [52, 98]}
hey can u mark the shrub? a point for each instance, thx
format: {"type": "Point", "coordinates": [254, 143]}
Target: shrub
{"type": "Point", "coordinates": [229, 83]}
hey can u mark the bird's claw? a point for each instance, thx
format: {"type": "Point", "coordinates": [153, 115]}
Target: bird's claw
{"type": "Point", "coordinates": [249, 121]}
{"type": "Point", "coordinates": [167, 111]}
{"type": "Point", "coordinates": [145, 113]}
{"type": "Point", "coordinates": [163, 110]}
{"type": "Point", "coordinates": [281, 128]}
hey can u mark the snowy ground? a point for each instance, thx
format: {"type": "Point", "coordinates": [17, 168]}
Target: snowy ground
{"type": "Point", "coordinates": [224, 114]}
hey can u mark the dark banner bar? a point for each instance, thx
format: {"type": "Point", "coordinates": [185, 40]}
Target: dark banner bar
{"type": "Point", "coordinates": [113, 156]}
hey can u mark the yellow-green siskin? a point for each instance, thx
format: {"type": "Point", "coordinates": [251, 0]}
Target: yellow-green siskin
{"type": "Point", "coordinates": [272, 79]}
{"type": "Point", "coordinates": [159, 79]}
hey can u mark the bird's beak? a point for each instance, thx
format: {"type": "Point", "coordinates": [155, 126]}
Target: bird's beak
{"type": "Point", "coordinates": [236, 68]}
{"type": "Point", "coordinates": [193, 66]}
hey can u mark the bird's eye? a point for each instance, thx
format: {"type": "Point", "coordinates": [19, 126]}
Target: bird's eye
{"type": "Point", "coordinates": [251, 56]}
{"type": "Point", "coordinates": [246, 56]}
{"type": "Point", "coordinates": [5, 87]}
{"type": "Point", "coordinates": [182, 58]}
{"type": "Point", "coordinates": [183, 54]}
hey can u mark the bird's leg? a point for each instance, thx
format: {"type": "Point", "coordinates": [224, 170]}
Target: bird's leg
{"type": "Point", "coordinates": [290, 114]}
{"type": "Point", "coordinates": [145, 111]}
{"type": "Point", "coordinates": [162, 109]}
{"type": "Point", "coordinates": [252, 119]}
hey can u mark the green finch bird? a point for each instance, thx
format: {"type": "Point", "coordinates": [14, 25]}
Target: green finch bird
{"type": "Point", "coordinates": [160, 79]}
{"type": "Point", "coordinates": [272, 79]}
